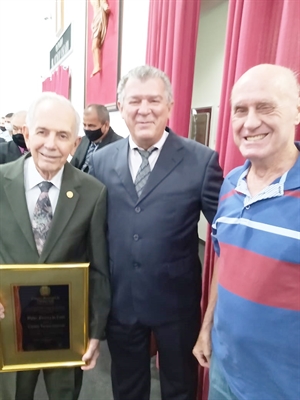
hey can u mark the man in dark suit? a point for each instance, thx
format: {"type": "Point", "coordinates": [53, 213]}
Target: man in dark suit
{"type": "Point", "coordinates": [158, 183]}
{"type": "Point", "coordinates": [98, 134]}
{"type": "Point", "coordinates": [77, 229]}
{"type": "Point", "coordinates": [11, 151]}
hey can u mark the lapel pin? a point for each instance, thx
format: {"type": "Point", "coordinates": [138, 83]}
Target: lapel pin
{"type": "Point", "coordinates": [69, 194]}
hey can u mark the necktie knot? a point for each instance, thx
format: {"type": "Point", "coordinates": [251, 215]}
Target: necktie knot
{"type": "Point", "coordinates": [145, 154]}
{"type": "Point", "coordinates": [45, 186]}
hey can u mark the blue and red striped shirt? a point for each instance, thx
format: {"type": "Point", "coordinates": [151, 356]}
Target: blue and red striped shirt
{"type": "Point", "coordinates": [256, 333]}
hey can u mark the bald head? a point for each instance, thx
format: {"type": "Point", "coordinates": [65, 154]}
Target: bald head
{"type": "Point", "coordinates": [282, 79]}
{"type": "Point", "coordinates": [18, 120]}
{"type": "Point", "coordinates": [265, 109]}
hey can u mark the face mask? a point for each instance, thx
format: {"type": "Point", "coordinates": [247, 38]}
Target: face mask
{"type": "Point", "coordinates": [8, 126]}
{"type": "Point", "coordinates": [93, 135]}
{"type": "Point", "coordinates": [2, 128]}
{"type": "Point", "coordinates": [18, 138]}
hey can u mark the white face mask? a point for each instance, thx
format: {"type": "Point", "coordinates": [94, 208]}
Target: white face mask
{"type": "Point", "coordinates": [8, 126]}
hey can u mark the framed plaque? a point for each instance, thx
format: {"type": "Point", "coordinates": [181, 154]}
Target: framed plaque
{"type": "Point", "coordinates": [46, 316]}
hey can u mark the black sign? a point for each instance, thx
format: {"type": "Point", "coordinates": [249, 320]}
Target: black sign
{"type": "Point", "coordinates": [62, 47]}
{"type": "Point", "coordinates": [43, 320]}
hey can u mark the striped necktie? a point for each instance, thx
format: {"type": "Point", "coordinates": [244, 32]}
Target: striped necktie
{"type": "Point", "coordinates": [86, 165]}
{"type": "Point", "coordinates": [143, 171]}
{"type": "Point", "coordinates": [42, 216]}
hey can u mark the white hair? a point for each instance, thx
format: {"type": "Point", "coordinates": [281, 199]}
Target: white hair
{"type": "Point", "coordinates": [143, 73]}
{"type": "Point", "coordinates": [50, 96]}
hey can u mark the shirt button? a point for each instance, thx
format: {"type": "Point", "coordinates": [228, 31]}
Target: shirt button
{"type": "Point", "coordinates": [137, 209]}
{"type": "Point", "coordinates": [247, 207]}
{"type": "Point", "coordinates": [136, 237]}
{"type": "Point", "coordinates": [136, 265]}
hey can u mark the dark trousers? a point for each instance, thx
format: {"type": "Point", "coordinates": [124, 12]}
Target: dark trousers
{"type": "Point", "coordinates": [129, 346]}
{"type": "Point", "coordinates": [61, 383]}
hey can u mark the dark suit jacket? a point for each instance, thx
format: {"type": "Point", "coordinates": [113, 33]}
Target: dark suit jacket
{"type": "Point", "coordinates": [9, 151]}
{"type": "Point", "coordinates": [153, 240]}
{"type": "Point", "coordinates": [77, 232]}
{"type": "Point", "coordinates": [80, 153]}
{"type": "Point", "coordinates": [2, 140]}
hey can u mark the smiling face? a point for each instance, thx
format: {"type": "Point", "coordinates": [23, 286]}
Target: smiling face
{"type": "Point", "coordinates": [145, 109]}
{"type": "Point", "coordinates": [51, 136]}
{"type": "Point", "coordinates": [264, 113]}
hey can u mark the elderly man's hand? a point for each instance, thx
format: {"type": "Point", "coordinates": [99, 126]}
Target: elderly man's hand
{"type": "Point", "coordinates": [91, 355]}
{"type": "Point", "coordinates": [202, 348]}
{"type": "Point", "coordinates": [2, 311]}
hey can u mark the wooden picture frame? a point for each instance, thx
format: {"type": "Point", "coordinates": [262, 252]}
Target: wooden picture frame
{"type": "Point", "coordinates": [59, 17]}
{"type": "Point", "coordinates": [46, 316]}
{"type": "Point", "coordinates": [201, 124]}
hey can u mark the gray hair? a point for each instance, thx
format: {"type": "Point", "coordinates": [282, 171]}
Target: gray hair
{"type": "Point", "coordinates": [50, 96]}
{"type": "Point", "coordinates": [143, 73]}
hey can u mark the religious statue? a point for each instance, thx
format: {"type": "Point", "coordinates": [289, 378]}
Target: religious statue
{"type": "Point", "coordinates": [99, 28]}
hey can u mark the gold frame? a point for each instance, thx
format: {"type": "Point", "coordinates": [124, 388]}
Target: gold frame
{"type": "Point", "coordinates": [73, 275]}
{"type": "Point", "coordinates": [59, 17]}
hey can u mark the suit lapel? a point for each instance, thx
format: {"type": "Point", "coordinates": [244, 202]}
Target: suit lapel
{"type": "Point", "coordinates": [122, 168]}
{"type": "Point", "coordinates": [84, 145]}
{"type": "Point", "coordinates": [66, 204]}
{"type": "Point", "coordinates": [170, 156]}
{"type": "Point", "coordinates": [15, 191]}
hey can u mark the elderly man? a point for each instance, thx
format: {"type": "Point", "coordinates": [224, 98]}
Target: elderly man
{"type": "Point", "coordinates": [70, 229]}
{"type": "Point", "coordinates": [158, 183]}
{"type": "Point", "coordinates": [98, 133]}
{"type": "Point", "coordinates": [254, 306]}
{"type": "Point", "coordinates": [14, 149]}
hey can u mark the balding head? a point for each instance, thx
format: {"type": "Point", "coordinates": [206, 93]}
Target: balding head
{"type": "Point", "coordinates": [282, 79]}
{"type": "Point", "coordinates": [265, 110]}
{"type": "Point", "coordinates": [18, 120]}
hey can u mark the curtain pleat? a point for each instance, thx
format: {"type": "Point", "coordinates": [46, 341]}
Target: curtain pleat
{"type": "Point", "coordinates": [171, 47]}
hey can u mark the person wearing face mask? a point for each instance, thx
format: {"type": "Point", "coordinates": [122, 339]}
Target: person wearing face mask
{"type": "Point", "coordinates": [6, 127]}
{"type": "Point", "coordinates": [98, 134]}
{"type": "Point", "coordinates": [12, 150]}
{"type": "Point", "coordinates": [2, 129]}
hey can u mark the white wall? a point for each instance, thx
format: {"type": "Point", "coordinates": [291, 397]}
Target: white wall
{"type": "Point", "coordinates": [23, 41]}
{"type": "Point", "coordinates": [209, 71]}
{"type": "Point", "coordinates": [133, 53]}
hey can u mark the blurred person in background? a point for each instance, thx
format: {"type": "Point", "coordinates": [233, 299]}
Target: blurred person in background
{"type": "Point", "coordinates": [12, 150]}
{"type": "Point", "coordinates": [6, 127]}
{"type": "Point", "coordinates": [98, 133]}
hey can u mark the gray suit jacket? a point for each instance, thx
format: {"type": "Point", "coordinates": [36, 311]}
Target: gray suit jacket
{"type": "Point", "coordinates": [77, 232]}
{"type": "Point", "coordinates": [153, 240]}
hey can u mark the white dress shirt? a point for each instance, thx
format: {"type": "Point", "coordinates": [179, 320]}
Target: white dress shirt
{"type": "Point", "coordinates": [31, 179]}
{"type": "Point", "coordinates": [135, 159]}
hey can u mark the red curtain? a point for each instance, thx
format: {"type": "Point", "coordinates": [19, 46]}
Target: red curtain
{"type": "Point", "coordinates": [58, 82]}
{"type": "Point", "coordinates": [258, 32]}
{"type": "Point", "coordinates": [171, 47]}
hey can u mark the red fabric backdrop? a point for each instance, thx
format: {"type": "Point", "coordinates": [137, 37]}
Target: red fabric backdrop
{"type": "Point", "coordinates": [102, 87]}
{"type": "Point", "coordinates": [171, 47]}
{"type": "Point", "coordinates": [58, 82]}
{"type": "Point", "coordinates": [258, 32]}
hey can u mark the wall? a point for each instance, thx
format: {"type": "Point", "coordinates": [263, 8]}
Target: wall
{"type": "Point", "coordinates": [133, 49]}
{"type": "Point", "coordinates": [134, 40]}
{"type": "Point", "coordinates": [22, 44]}
{"type": "Point", "coordinates": [209, 70]}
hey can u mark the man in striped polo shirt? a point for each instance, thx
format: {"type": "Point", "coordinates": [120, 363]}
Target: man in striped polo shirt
{"type": "Point", "coordinates": [250, 337]}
